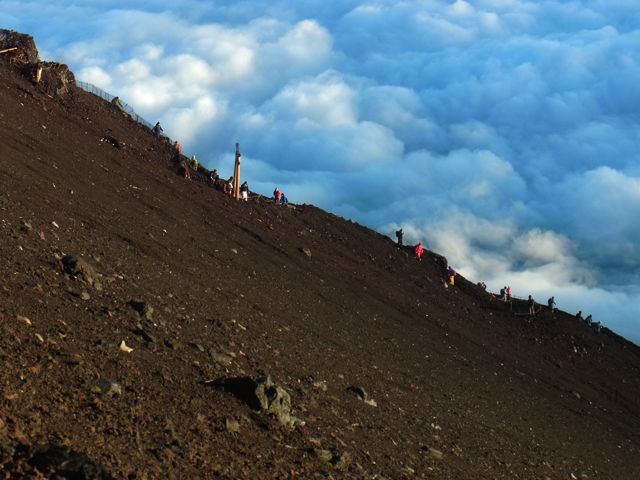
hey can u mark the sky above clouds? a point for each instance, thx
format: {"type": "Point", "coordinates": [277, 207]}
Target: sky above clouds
{"type": "Point", "coordinates": [504, 134]}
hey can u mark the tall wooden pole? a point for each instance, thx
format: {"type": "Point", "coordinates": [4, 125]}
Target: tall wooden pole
{"type": "Point", "coordinates": [236, 174]}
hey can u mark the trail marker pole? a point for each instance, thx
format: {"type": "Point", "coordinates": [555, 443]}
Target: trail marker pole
{"type": "Point", "coordinates": [236, 174]}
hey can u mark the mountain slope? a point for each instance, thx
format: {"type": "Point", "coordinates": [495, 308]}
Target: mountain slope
{"type": "Point", "coordinates": [464, 388]}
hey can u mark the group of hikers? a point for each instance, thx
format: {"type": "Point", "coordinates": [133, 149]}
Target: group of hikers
{"type": "Point", "coordinates": [505, 292]}
{"type": "Point", "coordinates": [450, 274]}
{"type": "Point", "coordinates": [185, 166]}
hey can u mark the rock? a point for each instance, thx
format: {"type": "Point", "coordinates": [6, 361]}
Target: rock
{"type": "Point", "coordinates": [233, 426]}
{"type": "Point", "coordinates": [221, 358]}
{"type": "Point", "coordinates": [260, 394]}
{"type": "Point", "coordinates": [324, 455]}
{"type": "Point", "coordinates": [321, 385]}
{"type": "Point", "coordinates": [274, 400]}
{"type": "Point", "coordinates": [26, 54]}
{"type": "Point", "coordinates": [341, 461]}
{"type": "Point", "coordinates": [123, 347]}
{"type": "Point", "coordinates": [362, 395]}
{"type": "Point", "coordinates": [371, 402]}
{"type": "Point", "coordinates": [435, 454]}
{"type": "Point", "coordinates": [361, 392]}
{"type": "Point", "coordinates": [85, 296]}
{"type": "Point", "coordinates": [143, 308]}
{"type": "Point", "coordinates": [23, 319]}
{"type": "Point", "coordinates": [306, 251]}
{"type": "Point", "coordinates": [57, 79]}
{"type": "Point", "coordinates": [79, 268]}
{"type": "Point", "coordinates": [114, 389]}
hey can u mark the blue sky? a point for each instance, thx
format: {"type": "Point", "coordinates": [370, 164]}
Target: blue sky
{"type": "Point", "coordinates": [504, 134]}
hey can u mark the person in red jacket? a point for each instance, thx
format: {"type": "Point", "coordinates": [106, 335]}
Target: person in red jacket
{"type": "Point", "coordinates": [419, 251]}
{"type": "Point", "coordinates": [276, 195]}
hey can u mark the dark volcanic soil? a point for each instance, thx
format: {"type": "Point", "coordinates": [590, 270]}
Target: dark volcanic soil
{"type": "Point", "coordinates": [464, 388]}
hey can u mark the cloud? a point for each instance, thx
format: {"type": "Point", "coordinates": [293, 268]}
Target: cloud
{"type": "Point", "coordinates": [504, 133]}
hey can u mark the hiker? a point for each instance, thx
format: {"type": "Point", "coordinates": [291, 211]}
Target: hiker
{"type": "Point", "coordinates": [157, 130]}
{"type": "Point", "coordinates": [503, 294]}
{"type": "Point", "coordinates": [597, 327]}
{"type": "Point", "coordinates": [194, 163]}
{"type": "Point", "coordinates": [451, 273]}
{"type": "Point", "coordinates": [228, 187]}
{"type": "Point", "coordinates": [532, 305]}
{"type": "Point", "coordinates": [276, 195]}
{"type": "Point", "coordinates": [552, 304]}
{"type": "Point", "coordinates": [482, 285]}
{"type": "Point", "coordinates": [508, 292]}
{"type": "Point", "coordinates": [399, 234]}
{"type": "Point", "coordinates": [213, 176]}
{"type": "Point", "coordinates": [115, 101]}
{"type": "Point", "coordinates": [579, 315]}
{"type": "Point", "coordinates": [589, 319]}
{"type": "Point", "coordinates": [283, 199]}
{"type": "Point", "coordinates": [419, 251]}
{"type": "Point", "coordinates": [177, 146]}
{"type": "Point", "coordinates": [244, 191]}
{"type": "Point", "coordinates": [184, 169]}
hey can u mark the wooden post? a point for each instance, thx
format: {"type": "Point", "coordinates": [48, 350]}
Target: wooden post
{"type": "Point", "coordinates": [236, 174]}
{"type": "Point", "coordinates": [8, 50]}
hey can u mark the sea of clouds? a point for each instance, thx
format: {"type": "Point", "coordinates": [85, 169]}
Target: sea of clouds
{"type": "Point", "coordinates": [504, 134]}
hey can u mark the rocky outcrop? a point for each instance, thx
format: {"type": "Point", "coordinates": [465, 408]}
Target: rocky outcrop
{"type": "Point", "coordinates": [20, 50]}
{"type": "Point", "coordinates": [81, 269]}
{"type": "Point", "coordinates": [26, 52]}
{"type": "Point", "coordinates": [56, 78]}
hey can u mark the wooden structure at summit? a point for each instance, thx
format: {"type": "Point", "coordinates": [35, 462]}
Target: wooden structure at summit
{"type": "Point", "coordinates": [236, 174]}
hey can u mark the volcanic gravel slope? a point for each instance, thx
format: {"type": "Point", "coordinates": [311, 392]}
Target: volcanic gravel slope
{"type": "Point", "coordinates": [464, 388]}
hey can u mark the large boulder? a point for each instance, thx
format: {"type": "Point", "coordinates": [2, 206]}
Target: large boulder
{"type": "Point", "coordinates": [261, 394]}
{"type": "Point", "coordinates": [81, 269]}
{"type": "Point", "coordinates": [274, 400]}
{"type": "Point", "coordinates": [56, 79]}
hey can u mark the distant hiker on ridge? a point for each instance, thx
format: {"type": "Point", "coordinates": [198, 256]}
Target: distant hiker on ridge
{"type": "Point", "coordinates": [276, 195]}
{"type": "Point", "coordinates": [419, 251]}
{"type": "Point", "coordinates": [508, 292]}
{"type": "Point", "coordinates": [579, 315]}
{"type": "Point", "coordinates": [399, 234]}
{"type": "Point", "coordinates": [214, 177]}
{"type": "Point", "coordinates": [503, 294]}
{"type": "Point", "coordinates": [184, 169]}
{"type": "Point", "coordinates": [589, 319]}
{"type": "Point", "coordinates": [283, 199]}
{"type": "Point", "coordinates": [115, 101]}
{"type": "Point", "coordinates": [451, 273]}
{"type": "Point", "coordinates": [244, 191]}
{"type": "Point", "coordinates": [157, 130]}
{"type": "Point", "coordinates": [531, 303]}
{"type": "Point", "coordinates": [194, 163]}
{"type": "Point", "coordinates": [552, 304]}
{"type": "Point", "coordinates": [178, 148]}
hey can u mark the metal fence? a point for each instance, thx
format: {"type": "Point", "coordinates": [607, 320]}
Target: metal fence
{"type": "Point", "coordinates": [88, 87]}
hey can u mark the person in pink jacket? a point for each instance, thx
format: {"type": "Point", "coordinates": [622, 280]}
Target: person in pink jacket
{"type": "Point", "coordinates": [419, 251]}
